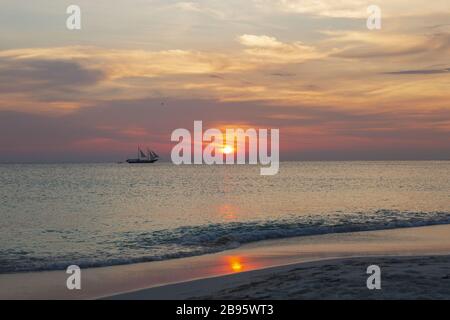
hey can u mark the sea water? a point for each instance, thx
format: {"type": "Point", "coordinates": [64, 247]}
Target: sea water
{"type": "Point", "coordinates": [55, 215]}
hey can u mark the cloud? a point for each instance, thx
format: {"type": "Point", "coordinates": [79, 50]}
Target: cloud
{"type": "Point", "coordinates": [335, 8]}
{"type": "Point", "coordinates": [275, 51]}
{"type": "Point", "coordinates": [34, 74]}
{"type": "Point", "coordinates": [110, 131]}
{"type": "Point", "coordinates": [196, 7]}
{"type": "Point", "coordinates": [342, 70]}
{"type": "Point", "coordinates": [66, 78]}
{"type": "Point", "coordinates": [120, 63]}
{"type": "Point", "coordinates": [282, 74]}
{"type": "Point", "coordinates": [263, 41]}
{"type": "Point", "coordinates": [353, 9]}
{"type": "Point", "coordinates": [356, 44]}
{"type": "Point", "coordinates": [419, 72]}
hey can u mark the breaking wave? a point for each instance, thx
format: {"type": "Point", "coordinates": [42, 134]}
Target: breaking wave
{"type": "Point", "coordinates": [133, 247]}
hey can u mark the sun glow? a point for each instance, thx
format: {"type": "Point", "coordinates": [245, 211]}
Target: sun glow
{"type": "Point", "coordinates": [235, 264]}
{"type": "Point", "coordinates": [227, 149]}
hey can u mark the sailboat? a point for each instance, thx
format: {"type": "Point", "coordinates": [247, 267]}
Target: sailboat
{"type": "Point", "coordinates": [149, 157]}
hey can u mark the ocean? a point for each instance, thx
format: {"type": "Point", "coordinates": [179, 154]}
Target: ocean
{"type": "Point", "coordinates": [91, 215]}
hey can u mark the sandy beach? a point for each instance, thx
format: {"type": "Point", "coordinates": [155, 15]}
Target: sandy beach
{"type": "Point", "coordinates": [413, 262]}
{"type": "Point", "coordinates": [421, 277]}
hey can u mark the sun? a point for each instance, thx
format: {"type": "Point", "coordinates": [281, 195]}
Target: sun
{"type": "Point", "coordinates": [227, 149]}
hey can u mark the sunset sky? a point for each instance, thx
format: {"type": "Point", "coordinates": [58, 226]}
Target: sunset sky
{"type": "Point", "coordinates": [139, 69]}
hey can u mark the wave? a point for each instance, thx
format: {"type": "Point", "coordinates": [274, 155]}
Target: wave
{"type": "Point", "coordinates": [132, 247]}
{"type": "Point", "coordinates": [219, 235]}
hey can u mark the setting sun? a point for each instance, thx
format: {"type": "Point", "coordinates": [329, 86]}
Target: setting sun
{"type": "Point", "coordinates": [227, 149]}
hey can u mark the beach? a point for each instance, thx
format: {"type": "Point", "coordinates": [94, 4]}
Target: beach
{"type": "Point", "coordinates": [404, 278]}
{"type": "Point", "coordinates": [414, 264]}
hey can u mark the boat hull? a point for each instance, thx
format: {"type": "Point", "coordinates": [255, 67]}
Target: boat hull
{"type": "Point", "coordinates": [138, 161]}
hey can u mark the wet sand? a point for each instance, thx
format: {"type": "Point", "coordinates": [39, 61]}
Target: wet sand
{"type": "Point", "coordinates": [405, 278]}
{"type": "Point", "coordinates": [230, 272]}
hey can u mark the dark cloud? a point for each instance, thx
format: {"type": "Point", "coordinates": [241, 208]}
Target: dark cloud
{"type": "Point", "coordinates": [216, 76]}
{"type": "Point", "coordinates": [420, 71]}
{"type": "Point", "coordinates": [282, 74]}
{"type": "Point", "coordinates": [33, 75]}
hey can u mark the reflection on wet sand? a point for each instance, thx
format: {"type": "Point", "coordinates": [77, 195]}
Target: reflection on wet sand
{"type": "Point", "coordinates": [228, 212]}
{"type": "Point", "coordinates": [235, 264]}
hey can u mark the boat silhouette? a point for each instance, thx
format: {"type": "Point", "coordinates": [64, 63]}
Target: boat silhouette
{"type": "Point", "coordinates": [149, 157]}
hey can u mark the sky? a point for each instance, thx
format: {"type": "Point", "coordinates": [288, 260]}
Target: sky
{"type": "Point", "coordinates": [139, 69]}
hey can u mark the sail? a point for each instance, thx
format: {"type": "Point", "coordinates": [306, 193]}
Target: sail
{"type": "Point", "coordinates": [153, 154]}
{"type": "Point", "coordinates": [148, 156]}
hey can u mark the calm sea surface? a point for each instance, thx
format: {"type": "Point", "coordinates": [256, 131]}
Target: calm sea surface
{"type": "Point", "coordinates": [52, 216]}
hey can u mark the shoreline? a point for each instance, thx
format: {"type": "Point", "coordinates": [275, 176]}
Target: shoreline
{"type": "Point", "coordinates": [244, 262]}
{"type": "Point", "coordinates": [403, 277]}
